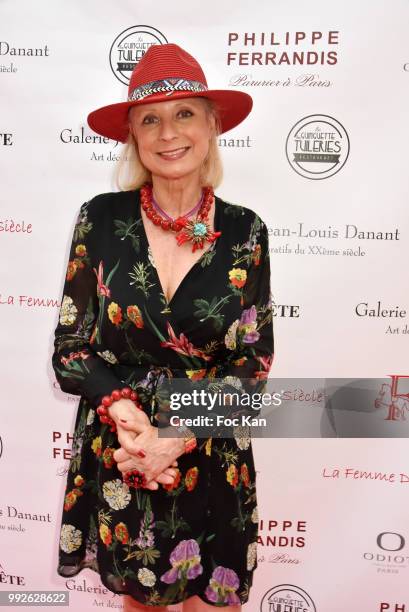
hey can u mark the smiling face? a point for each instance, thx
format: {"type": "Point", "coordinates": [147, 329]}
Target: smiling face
{"type": "Point", "coordinates": [173, 136]}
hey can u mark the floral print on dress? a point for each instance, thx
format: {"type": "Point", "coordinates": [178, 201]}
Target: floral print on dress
{"type": "Point", "coordinates": [242, 436]}
{"type": "Point", "coordinates": [70, 538]}
{"type": "Point", "coordinates": [185, 561]}
{"type": "Point", "coordinates": [146, 577]}
{"type": "Point", "coordinates": [105, 534]}
{"type": "Point", "coordinates": [108, 356]}
{"type": "Point", "coordinates": [72, 496]}
{"type": "Point", "coordinates": [223, 586]}
{"type": "Point", "coordinates": [196, 536]}
{"type": "Point", "coordinates": [238, 277]}
{"type": "Point", "coordinates": [134, 315]}
{"type": "Point", "coordinates": [114, 313]}
{"type": "Point", "coordinates": [116, 494]}
{"type": "Point", "coordinates": [191, 478]}
{"type": "Point", "coordinates": [251, 555]}
{"type": "Point", "coordinates": [68, 312]}
{"type": "Point", "coordinates": [182, 345]}
{"type": "Point", "coordinates": [146, 539]}
{"type": "Point", "coordinates": [121, 533]}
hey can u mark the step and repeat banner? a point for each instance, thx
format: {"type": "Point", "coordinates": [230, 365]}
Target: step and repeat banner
{"type": "Point", "coordinates": [322, 159]}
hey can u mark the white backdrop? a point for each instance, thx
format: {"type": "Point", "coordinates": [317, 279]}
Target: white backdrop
{"type": "Point", "coordinates": [337, 214]}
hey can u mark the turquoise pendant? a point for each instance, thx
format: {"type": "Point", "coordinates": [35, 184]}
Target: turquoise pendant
{"type": "Point", "coordinates": [199, 229]}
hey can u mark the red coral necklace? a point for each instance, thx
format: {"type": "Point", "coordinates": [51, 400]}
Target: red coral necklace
{"type": "Point", "coordinates": [196, 231]}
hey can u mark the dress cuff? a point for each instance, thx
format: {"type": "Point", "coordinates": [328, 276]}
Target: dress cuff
{"type": "Point", "coordinates": [99, 382]}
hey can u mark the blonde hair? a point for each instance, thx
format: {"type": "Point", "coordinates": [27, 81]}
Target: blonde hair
{"type": "Point", "coordinates": [130, 173]}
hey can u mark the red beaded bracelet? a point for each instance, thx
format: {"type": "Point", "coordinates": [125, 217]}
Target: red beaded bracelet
{"type": "Point", "coordinates": [108, 400]}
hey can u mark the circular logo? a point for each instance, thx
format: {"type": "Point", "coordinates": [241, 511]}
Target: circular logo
{"type": "Point", "coordinates": [128, 48]}
{"type": "Point", "coordinates": [396, 543]}
{"type": "Point", "coordinates": [287, 597]}
{"type": "Point", "coordinates": [317, 147]}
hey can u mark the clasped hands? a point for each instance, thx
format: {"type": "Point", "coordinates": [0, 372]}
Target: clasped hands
{"type": "Point", "coordinates": [135, 433]}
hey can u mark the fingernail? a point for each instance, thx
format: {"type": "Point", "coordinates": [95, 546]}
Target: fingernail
{"type": "Point", "coordinates": [141, 453]}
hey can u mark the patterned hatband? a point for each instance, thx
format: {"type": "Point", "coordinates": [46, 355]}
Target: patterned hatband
{"type": "Point", "coordinates": [165, 85]}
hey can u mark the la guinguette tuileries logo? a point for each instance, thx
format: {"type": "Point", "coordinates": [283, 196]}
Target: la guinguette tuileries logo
{"type": "Point", "coordinates": [129, 47]}
{"type": "Point", "coordinates": [317, 147]}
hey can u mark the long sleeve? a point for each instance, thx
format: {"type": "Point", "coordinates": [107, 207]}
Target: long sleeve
{"type": "Point", "coordinates": [250, 340]}
{"type": "Point", "coordinates": [78, 369]}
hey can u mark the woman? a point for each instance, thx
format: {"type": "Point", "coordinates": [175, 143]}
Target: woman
{"type": "Point", "coordinates": [162, 519]}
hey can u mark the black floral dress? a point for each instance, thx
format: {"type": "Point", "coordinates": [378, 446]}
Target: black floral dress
{"type": "Point", "coordinates": [197, 536]}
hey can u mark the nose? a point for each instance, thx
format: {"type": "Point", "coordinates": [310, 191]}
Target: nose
{"type": "Point", "coordinates": [168, 129]}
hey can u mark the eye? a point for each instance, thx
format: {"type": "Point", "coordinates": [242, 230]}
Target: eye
{"type": "Point", "coordinates": [186, 112]}
{"type": "Point", "coordinates": [148, 119]}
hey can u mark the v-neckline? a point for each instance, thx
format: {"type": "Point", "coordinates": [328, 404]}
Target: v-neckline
{"type": "Point", "coordinates": [213, 246]}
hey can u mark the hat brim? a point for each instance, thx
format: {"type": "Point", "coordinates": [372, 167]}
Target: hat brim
{"type": "Point", "coordinates": [112, 121]}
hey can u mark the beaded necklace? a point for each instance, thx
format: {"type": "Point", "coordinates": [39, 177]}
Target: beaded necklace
{"type": "Point", "coordinates": [196, 231]}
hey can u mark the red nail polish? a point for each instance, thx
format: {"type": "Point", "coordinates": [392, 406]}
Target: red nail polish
{"type": "Point", "coordinates": [141, 453]}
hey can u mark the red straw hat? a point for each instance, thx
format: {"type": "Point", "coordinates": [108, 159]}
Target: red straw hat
{"type": "Point", "coordinates": [167, 72]}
